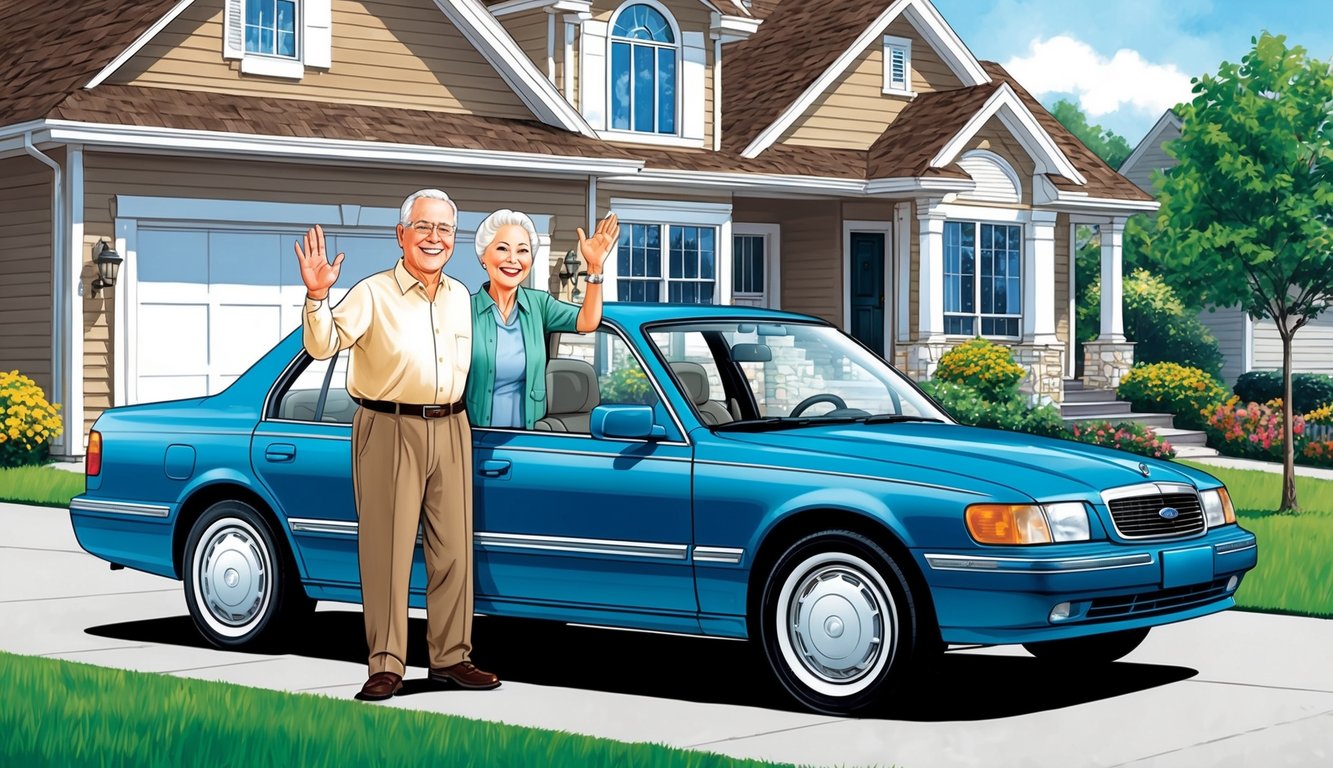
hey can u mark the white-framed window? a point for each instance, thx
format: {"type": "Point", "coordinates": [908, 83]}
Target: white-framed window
{"type": "Point", "coordinates": [983, 286]}
{"type": "Point", "coordinates": [644, 67]}
{"type": "Point", "coordinates": [898, 65]}
{"type": "Point", "coordinates": [673, 252]}
{"type": "Point", "coordinates": [278, 38]}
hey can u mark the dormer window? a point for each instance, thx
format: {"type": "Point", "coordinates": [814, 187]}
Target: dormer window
{"type": "Point", "coordinates": [270, 27]}
{"type": "Point", "coordinates": [644, 56]}
{"type": "Point", "coordinates": [898, 65]}
{"type": "Point", "coordinates": [278, 38]}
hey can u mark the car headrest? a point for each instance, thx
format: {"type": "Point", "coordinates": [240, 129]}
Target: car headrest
{"type": "Point", "coordinates": [694, 378]}
{"type": "Point", "coordinates": [571, 386]}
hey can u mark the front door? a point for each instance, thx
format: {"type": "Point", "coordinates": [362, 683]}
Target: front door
{"type": "Point", "coordinates": [867, 289]}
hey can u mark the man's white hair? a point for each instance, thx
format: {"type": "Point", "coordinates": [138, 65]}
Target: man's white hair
{"type": "Point", "coordinates": [405, 212]}
{"type": "Point", "coordinates": [502, 218]}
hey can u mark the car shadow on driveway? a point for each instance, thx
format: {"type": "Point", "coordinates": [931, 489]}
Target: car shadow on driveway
{"type": "Point", "coordinates": [955, 687]}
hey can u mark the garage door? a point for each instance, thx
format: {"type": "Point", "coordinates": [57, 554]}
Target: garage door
{"type": "Point", "coordinates": [211, 299]}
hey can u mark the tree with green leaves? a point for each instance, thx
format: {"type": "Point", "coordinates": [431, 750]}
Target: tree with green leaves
{"type": "Point", "coordinates": [1108, 145]}
{"type": "Point", "coordinates": [1247, 212]}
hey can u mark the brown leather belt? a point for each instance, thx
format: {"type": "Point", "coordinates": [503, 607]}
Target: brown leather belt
{"type": "Point", "coordinates": [411, 409]}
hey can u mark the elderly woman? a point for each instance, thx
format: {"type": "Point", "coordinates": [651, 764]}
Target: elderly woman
{"type": "Point", "coordinates": [506, 385]}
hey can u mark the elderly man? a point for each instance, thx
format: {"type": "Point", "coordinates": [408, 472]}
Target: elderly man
{"type": "Point", "coordinates": [409, 329]}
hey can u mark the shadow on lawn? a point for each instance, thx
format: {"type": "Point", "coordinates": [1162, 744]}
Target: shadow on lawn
{"type": "Point", "coordinates": [959, 686]}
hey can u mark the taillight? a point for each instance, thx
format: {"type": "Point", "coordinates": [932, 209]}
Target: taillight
{"type": "Point", "coordinates": [93, 461]}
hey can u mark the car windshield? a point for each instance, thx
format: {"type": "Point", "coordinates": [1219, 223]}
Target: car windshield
{"type": "Point", "coordinates": [747, 375]}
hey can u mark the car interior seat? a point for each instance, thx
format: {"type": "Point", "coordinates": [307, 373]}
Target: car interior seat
{"type": "Point", "coordinates": [695, 380]}
{"type": "Point", "coordinates": [571, 394]}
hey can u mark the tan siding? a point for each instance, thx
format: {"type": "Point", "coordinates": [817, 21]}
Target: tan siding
{"type": "Point", "coordinates": [529, 30]}
{"type": "Point", "coordinates": [1228, 327]}
{"type": "Point", "coordinates": [25, 269]}
{"type": "Point", "coordinates": [855, 111]}
{"type": "Point", "coordinates": [395, 53]}
{"type": "Point", "coordinates": [1152, 160]}
{"type": "Point", "coordinates": [1062, 278]}
{"type": "Point", "coordinates": [109, 175]}
{"type": "Point", "coordinates": [812, 258]}
{"type": "Point", "coordinates": [914, 303]}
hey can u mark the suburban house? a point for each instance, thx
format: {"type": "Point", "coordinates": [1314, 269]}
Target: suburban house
{"type": "Point", "coordinates": [1246, 344]}
{"type": "Point", "coordinates": [849, 159]}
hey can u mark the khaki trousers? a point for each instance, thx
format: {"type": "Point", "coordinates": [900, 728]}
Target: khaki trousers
{"type": "Point", "coordinates": [403, 466]}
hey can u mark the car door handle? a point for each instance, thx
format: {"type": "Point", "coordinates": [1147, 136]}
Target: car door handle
{"type": "Point", "coordinates": [494, 468]}
{"type": "Point", "coordinates": [280, 452]}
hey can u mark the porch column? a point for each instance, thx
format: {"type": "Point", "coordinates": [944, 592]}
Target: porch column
{"type": "Point", "coordinates": [1039, 280]}
{"type": "Point", "coordinates": [1113, 287]}
{"type": "Point", "coordinates": [930, 246]}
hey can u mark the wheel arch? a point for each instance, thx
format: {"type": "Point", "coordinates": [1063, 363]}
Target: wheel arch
{"type": "Point", "coordinates": [206, 496]}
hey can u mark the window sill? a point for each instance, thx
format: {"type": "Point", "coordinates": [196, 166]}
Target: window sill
{"type": "Point", "coordinates": [895, 92]}
{"type": "Point", "coordinates": [269, 66]}
{"type": "Point", "coordinates": [659, 139]}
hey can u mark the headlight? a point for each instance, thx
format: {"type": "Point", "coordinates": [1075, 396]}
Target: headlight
{"type": "Point", "coordinates": [1027, 523]}
{"type": "Point", "coordinates": [1217, 509]}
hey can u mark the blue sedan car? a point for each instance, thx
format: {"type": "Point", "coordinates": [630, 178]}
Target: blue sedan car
{"type": "Point", "coordinates": [717, 471]}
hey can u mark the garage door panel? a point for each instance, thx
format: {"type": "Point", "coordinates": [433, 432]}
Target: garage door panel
{"type": "Point", "coordinates": [365, 255]}
{"type": "Point", "coordinates": [157, 388]}
{"type": "Point", "coordinates": [172, 256]}
{"type": "Point", "coordinates": [240, 334]}
{"type": "Point", "coordinates": [243, 258]}
{"type": "Point", "coordinates": [172, 340]}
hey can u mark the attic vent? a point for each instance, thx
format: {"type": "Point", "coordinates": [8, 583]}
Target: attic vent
{"type": "Point", "coordinates": [996, 180]}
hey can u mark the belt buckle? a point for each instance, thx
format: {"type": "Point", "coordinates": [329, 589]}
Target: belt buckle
{"type": "Point", "coordinates": [435, 411]}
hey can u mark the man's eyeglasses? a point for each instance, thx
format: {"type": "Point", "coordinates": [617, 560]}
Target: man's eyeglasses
{"type": "Point", "coordinates": [425, 228]}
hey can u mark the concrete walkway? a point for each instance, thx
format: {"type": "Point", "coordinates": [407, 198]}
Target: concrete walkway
{"type": "Point", "coordinates": [1262, 466]}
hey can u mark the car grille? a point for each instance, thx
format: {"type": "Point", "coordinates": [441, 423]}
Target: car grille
{"type": "Point", "coordinates": [1149, 603]}
{"type": "Point", "coordinates": [1137, 517]}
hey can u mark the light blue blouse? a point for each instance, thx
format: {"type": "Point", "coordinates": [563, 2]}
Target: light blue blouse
{"type": "Point", "coordinates": [510, 368]}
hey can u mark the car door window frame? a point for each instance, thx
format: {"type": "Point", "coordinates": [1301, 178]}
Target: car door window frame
{"type": "Point", "coordinates": [283, 383]}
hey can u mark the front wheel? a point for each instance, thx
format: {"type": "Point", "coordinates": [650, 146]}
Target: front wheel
{"type": "Point", "coordinates": [238, 586]}
{"type": "Point", "coordinates": [1093, 649]}
{"type": "Point", "coordinates": [837, 621]}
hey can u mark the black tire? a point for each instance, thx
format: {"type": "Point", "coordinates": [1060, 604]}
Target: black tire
{"type": "Point", "coordinates": [240, 585]}
{"type": "Point", "coordinates": [837, 621]}
{"type": "Point", "coordinates": [1093, 649]}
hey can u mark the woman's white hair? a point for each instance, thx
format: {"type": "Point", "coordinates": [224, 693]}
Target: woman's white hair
{"type": "Point", "coordinates": [503, 218]}
{"type": "Point", "coordinates": [405, 212]}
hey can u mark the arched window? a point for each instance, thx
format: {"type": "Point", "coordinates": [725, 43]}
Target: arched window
{"type": "Point", "coordinates": [644, 52]}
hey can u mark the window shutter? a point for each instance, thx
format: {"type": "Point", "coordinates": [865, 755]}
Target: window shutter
{"type": "Point", "coordinates": [317, 49]}
{"type": "Point", "coordinates": [693, 75]}
{"type": "Point", "coordinates": [592, 73]}
{"type": "Point", "coordinates": [233, 30]}
{"type": "Point", "coordinates": [898, 71]}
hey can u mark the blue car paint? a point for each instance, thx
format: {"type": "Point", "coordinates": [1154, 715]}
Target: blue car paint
{"type": "Point", "coordinates": [698, 488]}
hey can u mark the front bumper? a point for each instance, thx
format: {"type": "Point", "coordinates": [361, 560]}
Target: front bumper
{"type": "Point", "coordinates": [1006, 595]}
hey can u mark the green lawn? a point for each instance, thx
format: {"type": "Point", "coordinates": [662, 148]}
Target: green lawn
{"type": "Point", "coordinates": [44, 486]}
{"type": "Point", "coordinates": [1295, 571]}
{"type": "Point", "coordinates": [57, 713]}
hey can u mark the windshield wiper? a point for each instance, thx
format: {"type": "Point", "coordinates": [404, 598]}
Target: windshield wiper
{"type": "Point", "coordinates": [783, 422]}
{"type": "Point", "coordinates": [896, 418]}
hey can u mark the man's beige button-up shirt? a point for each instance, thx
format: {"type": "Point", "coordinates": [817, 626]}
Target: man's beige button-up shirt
{"type": "Point", "coordinates": [405, 348]}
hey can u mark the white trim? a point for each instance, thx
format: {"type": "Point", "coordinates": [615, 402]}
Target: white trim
{"type": "Point", "coordinates": [731, 29]}
{"type": "Point", "coordinates": [680, 137]}
{"type": "Point", "coordinates": [519, 6]}
{"type": "Point", "coordinates": [335, 150]}
{"type": "Point", "coordinates": [988, 214]}
{"type": "Point", "coordinates": [657, 139]}
{"type": "Point", "coordinates": [772, 258]}
{"type": "Point", "coordinates": [71, 332]}
{"type": "Point", "coordinates": [1037, 278]}
{"type": "Point", "coordinates": [717, 94]}
{"type": "Point", "coordinates": [138, 44]}
{"type": "Point", "coordinates": [124, 388]}
{"type": "Point", "coordinates": [594, 40]}
{"type": "Point", "coordinates": [914, 184]}
{"type": "Point", "coordinates": [316, 34]}
{"type": "Point", "coordinates": [567, 61]}
{"type": "Point", "coordinates": [679, 213]}
{"type": "Point", "coordinates": [1247, 334]}
{"type": "Point", "coordinates": [930, 252]}
{"type": "Point", "coordinates": [884, 228]}
{"type": "Point", "coordinates": [924, 18]}
{"type": "Point", "coordinates": [550, 45]}
{"type": "Point", "coordinates": [1113, 290]}
{"type": "Point", "coordinates": [1071, 344]}
{"type": "Point", "coordinates": [905, 43]}
{"type": "Point", "coordinates": [1020, 121]}
{"type": "Point", "coordinates": [272, 66]}
{"type": "Point", "coordinates": [1150, 140]}
{"type": "Point", "coordinates": [495, 44]}
{"type": "Point", "coordinates": [902, 254]}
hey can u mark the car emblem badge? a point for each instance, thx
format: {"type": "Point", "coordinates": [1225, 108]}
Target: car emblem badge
{"type": "Point", "coordinates": [1143, 469]}
{"type": "Point", "coordinates": [1168, 513]}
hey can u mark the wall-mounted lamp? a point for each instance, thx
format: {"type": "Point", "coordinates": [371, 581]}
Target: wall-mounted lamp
{"type": "Point", "coordinates": [108, 266]}
{"type": "Point", "coordinates": [569, 270]}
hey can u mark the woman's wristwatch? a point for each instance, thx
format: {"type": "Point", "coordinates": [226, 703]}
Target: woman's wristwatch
{"type": "Point", "coordinates": [595, 279]}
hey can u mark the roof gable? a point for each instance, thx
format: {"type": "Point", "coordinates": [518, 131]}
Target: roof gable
{"type": "Point", "coordinates": [1157, 135]}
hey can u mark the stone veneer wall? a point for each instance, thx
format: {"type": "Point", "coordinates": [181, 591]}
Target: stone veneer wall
{"type": "Point", "coordinates": [1105, 363]}
{"type": "Point", "coordinates": [1045, 364]}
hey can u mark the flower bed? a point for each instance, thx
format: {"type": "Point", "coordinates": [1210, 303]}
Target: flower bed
{"type": "Point", "coordinates": [1252, 431]}
{"type": "Point", "coordinates": [1170, 388]}
{"type": "Point", "coordinates": [1128, 436]}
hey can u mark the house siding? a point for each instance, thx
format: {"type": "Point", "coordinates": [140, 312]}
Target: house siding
{"type": "Point", "coordinates": [1228, 327]}
{"type": "Point", "coordinates": [1062, 281]}
{"type": "Point", "coordinates": [1312, 348]}
{"type": "Point", "coordinates": [855, 111]}
{"type": "Point", "coordinates": [529, 30]}
{"type": "Point", "coordinates": [108, 175]}
{"type": "Point", "coordinates": [1153, 159]}
{"type": "Point", "coordinates": [390, 53]}
{"type": "Point", "coordinates": [25, 268]}
{"type": "Point", "coordinates": [994, 137]}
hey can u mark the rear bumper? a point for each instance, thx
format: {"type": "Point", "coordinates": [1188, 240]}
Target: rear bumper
{"type": "Point", "coordinates": [1008, 597]}
{"type": "Point", "coordinates": [134, 535]}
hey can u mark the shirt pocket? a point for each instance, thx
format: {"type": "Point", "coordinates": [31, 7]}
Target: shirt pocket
{"type": "Point", "coordinates": [462, 352]}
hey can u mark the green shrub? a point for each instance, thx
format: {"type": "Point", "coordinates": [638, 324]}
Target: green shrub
{"type": "Point", "coordinates": [1309, 391]}
{"type": "Point", "coordinates": [1128, 436]}
{"type": "Point", "coordinates": [984, 366]}
{"type": "Point", "coordinates": [1171, 388]}
{"type": "Point", "coordinates": [970, 407]}
{"type": "Point", "coordinates": [627, 386]}
{"type": "Point", "coordinates": [28, 423]}
{"type": "Point", "coordinates": [1163, 329]}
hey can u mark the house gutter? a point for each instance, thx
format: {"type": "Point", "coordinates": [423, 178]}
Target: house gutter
{"type": "Point", "coordinates": [57, 282]}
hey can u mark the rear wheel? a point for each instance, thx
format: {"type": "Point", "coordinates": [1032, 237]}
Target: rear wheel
{"type": "Point", "coordinates": [239, 585]}
{"type": "Point", "coordinates": [837, 621]}
{"type": "Point", "coordinates": [1093, 649]}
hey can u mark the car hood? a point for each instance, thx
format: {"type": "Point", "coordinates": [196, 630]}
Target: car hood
{"type": "Point", "coordinates": [980, 459]}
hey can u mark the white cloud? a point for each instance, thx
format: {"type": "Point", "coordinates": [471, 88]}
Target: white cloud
{"type": "Point", "coordinates": [1063, 64]}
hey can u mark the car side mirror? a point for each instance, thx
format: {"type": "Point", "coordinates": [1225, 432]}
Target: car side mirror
{"type": "Point", "coordinates": [634, 422]}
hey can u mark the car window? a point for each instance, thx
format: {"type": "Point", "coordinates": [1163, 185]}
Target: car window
{"type": "Point", "coordinates": [301, 400]}
{"type": "Point", "coordinates": [588, 370]}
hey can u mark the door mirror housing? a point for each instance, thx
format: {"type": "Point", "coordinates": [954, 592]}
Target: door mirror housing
{"type": "Point", "coordinates": [633, 422]}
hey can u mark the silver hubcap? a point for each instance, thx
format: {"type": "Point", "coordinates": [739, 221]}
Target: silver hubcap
{"type": "Point", "coordinates": [234, 574]}
{"type": "Point", "coordinates": [838, 621]}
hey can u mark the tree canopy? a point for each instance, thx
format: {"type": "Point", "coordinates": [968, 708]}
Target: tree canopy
{"type": "Point", "coordinates": [1109, 146]}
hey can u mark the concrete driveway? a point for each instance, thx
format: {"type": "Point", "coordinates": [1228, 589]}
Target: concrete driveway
{"type": "Point", "coordinates": [1236, 689]}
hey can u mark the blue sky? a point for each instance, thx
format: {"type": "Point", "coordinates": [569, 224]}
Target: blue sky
{"type": "Point", "coordinates": [1125, 62]}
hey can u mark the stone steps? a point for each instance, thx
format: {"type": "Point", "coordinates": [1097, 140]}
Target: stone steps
{"type": "Point", "coordinates": [1083, 405]}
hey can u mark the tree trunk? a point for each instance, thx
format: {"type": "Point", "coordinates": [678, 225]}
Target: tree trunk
{"type": "Point", "coordinates": [1288, 505]}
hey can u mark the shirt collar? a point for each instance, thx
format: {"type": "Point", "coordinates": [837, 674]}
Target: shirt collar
{"type": "Point", "coordinates": [405, 279]}
{"type": "Point", "coordinates": [485, 302]}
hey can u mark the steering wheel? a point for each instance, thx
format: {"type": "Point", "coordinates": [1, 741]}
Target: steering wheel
{"type": "Point", "coordinates": [837, 402]}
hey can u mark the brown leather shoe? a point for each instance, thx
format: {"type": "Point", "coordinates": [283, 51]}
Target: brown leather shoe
{"type": "Point", "coordinates": [465, 674]}
{"type": "Point", "coordinates": [381, 686]}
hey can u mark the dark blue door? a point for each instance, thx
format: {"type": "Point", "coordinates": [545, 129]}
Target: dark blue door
{"type": "Point", "coordinates": [867, 289]}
